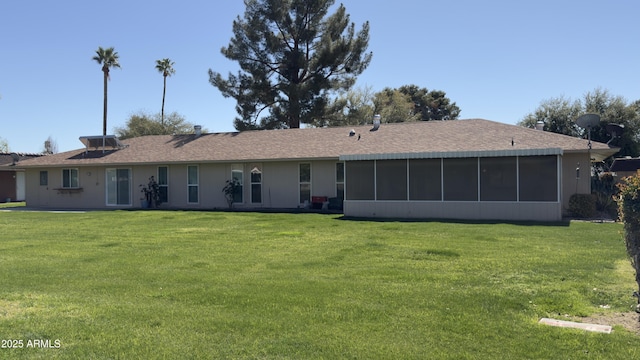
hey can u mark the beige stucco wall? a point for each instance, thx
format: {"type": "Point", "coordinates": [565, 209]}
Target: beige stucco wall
{"type": "Point", "coordinates": [280, 189]}
{"type": "Point", "coordinates": [91, 194]}
{"type": "Point", "coordinates": [280, 185]}
{"type": "Point", "coordinates": [454, 210]}
{"type": "Point", "coordinates": [571, 185]}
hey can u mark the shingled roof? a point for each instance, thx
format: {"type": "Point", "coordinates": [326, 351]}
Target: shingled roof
{"type": "Point", "coordinates": [7, 160]}
{"type": "Point", "coordinates": [459, 136]}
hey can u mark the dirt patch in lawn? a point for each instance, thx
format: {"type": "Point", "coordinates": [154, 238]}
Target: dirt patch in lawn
{"type": "Point", "coordinates": [628, 320]}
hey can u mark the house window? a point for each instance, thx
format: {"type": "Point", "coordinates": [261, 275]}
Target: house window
{"type": "Point", "coordinates": [44, 178]}
{"type": "Point", "coordinates": [538, 178]}
{"type": "Point", "coordinates": [361, 180]}
{"type": "Point", "coordinates": [498, 179]}
{"type": "Point", "coordinates": [425, 179]}
{"type": "Point", "coordinates": [305, 182]}
{"type": "Point", "coordinates": [70, 178]}
{"type": "Point", "coordinates": [192, 184]}
{"type": "Point", "coordinates": [340, 181]}
{"type": "Point", "coordinates": [460, 179]}
{"type": "Point", "coordinates": [118, 187]}
{"type": "Point", "coordinates": [237, 174]}
{"type": "Point", "coordinates": [391, 180]}
{"type": "Point", "coordinates": [256, 183]}
{"type": "Point", "coordinates": [163, 183]}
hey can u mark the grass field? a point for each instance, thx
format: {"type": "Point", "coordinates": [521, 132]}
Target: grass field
{"type": "Point", "coordinates": [210, 285]}
{"type": "Point", "coordinates": [12, 204]}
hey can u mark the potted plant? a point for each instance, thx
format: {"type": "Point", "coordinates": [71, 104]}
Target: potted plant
{"type": "Point", "coordinates": [151, 193]}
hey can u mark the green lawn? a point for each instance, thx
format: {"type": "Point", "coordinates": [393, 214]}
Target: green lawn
{"type": "Point", "coordinates": [210, 285]}
{"type": "Point", "coordinates": [12, 204]}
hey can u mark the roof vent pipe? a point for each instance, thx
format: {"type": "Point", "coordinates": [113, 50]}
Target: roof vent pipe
{"type": "Point", "coordinates": [376, 122]}
{"type": "Point", "coordinates": [198, 130]}
{"type": "Point", "coordinates": [540, 125]}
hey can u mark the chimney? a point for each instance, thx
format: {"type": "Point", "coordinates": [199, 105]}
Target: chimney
{"type": "Point", "coordinates": [198, 130]}
{"type": "Point", "coordinates": [540, 125]}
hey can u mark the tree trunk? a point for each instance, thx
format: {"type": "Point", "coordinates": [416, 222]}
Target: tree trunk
{"type": "Point", "coordinates": [164, 91]}
{"type": "Point", "coordinates": [294, 108]}
{"type": "Point", "coordinates": [104, 109]}
{"type": "Point", "coordinates": [636, 267]}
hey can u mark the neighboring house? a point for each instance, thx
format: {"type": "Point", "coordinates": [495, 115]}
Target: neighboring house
{"type": "Point", "coordinates": [12, 180]}
{"type": "Point", "coordinates": [463, 169]}
{"type": "Point", "coordinates": [623, 167]}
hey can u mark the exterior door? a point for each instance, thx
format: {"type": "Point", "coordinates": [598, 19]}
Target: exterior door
{"type": "Point", "coordinates": [20, 186]}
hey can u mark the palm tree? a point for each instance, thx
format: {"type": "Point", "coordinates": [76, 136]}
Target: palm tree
{"type": "Point", "coordinates": [165, 67]}
{"type": "Point", "coordinates": [108, 58]}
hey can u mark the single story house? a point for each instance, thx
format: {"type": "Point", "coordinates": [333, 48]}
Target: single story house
{"type": "Point", "coordinates": [461, 169]}
{"type": "Point", "coordinates": [12, 179]}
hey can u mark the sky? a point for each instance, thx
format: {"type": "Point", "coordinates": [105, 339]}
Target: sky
{"type": "Point", "coordinates": [496, 59]}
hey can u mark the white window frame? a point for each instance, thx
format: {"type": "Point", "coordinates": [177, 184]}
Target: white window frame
{"type": "Point", "coordinates": [300, 183]}
{"type": "Point", "coordinates": [258, 183]}
{"type": "Point", "coordinates": [167, 183]}
{"type": "Point", "coordinates": [238, 168]}
{"type": "Point", "coordinates": [106, 184]}
{"type": "Point", "coordinates": [77, 185]}
{"type": "Point", "coordinates": [196, 184]}
{"type": "Point", "coordinates": [45, 178]}
{"type": "Point", "coordinates": [343, 179]}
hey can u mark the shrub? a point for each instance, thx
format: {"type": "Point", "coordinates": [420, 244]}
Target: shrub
{"type": "Point", "coordinates": [603, 187]}
{"type": "Point", "coordinates": [582, 205]}
{"type": "Point", "coordinates": [629, 210]}
{"type": "Point", "coordinates": [230, 190]}
{"type": "Point", "coordinates": [151, 193]}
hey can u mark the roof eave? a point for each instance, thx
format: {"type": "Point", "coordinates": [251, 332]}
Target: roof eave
{"type": "Point", "coordinates": [453, 154]}
{"type": "Point", "coordinates": [597, 155]}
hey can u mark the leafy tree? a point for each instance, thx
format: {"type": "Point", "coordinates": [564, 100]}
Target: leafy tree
{"type": "Point", "coordinates": [406, 103]}
{"type": "Point", "coordinates": [615, 110]}
{"type": "Point", "coordinates": [354, 107]}
{"type": "Point", "coordinates": [395, 106]}
{"type": "Point", "coordinates": [142, 124]}
{"type": "Point", "coordinates": [4, 146]}
{"type": "Point", "coordinates": [50, 146]}
{"type": "Point", "coordinates": [108, 58]}
{"type": "Point", "coordinates": [292, 55]}
{"type": "Point", "coordinates": [430, 105]}
{"type": "Point", "coordinates": [559, 116]}
{"type": "Point", "coordinates": [165, 67]}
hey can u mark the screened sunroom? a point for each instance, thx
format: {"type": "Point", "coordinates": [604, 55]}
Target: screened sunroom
{"type": "Point", "coordinates": [516, 184]}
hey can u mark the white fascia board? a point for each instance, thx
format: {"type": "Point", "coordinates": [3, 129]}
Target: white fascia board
{"type": "Point", "coordinates": [453, 154]}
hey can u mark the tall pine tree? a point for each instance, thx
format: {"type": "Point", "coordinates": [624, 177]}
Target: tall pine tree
{"type": "Point", "coordinates": [292, 54]}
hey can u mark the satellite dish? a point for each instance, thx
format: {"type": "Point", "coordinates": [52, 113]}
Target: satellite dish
{"type": "Point", "coordinates": [588, 121]}
{"type": "Point", "coordinates": [15, 158]}
{"type": "Point", "coordinates": [615, 130]}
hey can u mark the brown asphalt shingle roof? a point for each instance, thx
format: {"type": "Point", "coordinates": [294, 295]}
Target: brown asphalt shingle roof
{"type": "Point", "coordinates": [321, 143]}
{"type": "Point", "coordinates": [6, 159]}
